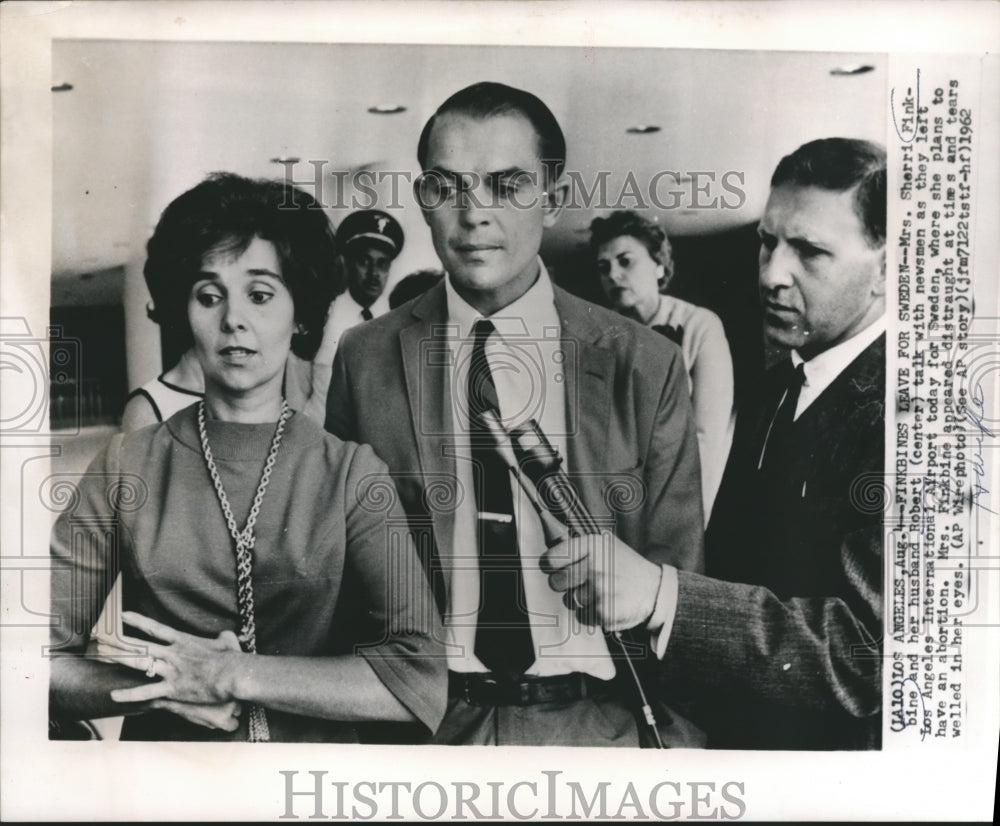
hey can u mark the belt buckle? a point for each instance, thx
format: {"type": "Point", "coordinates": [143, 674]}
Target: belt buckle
{"type": "Point", "coordinates": [487, 683]}
{"type": "Point", "coordinates": [555, 691]}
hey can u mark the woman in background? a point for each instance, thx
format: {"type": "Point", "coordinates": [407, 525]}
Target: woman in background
{"type": "Point", "coordinates": [255, 552]}
{"type": "Point", "coordinates": [635, 265]}
{"type": "Point", "coordinates": [183, 384]}
{"type": "Point", "coordinates": [159, 398]}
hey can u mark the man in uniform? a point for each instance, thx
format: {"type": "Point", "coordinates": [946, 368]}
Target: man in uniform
{"type": "Point", "coordinates": [369, 240]}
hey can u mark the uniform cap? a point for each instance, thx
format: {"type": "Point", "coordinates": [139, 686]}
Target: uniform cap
{"type": "Point", "coordinates": [371, 225]}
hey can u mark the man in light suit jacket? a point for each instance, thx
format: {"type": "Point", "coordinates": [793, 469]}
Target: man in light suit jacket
{"type": "Point", "coordinates": [609, 394]}
{"type": "Point", "coordinates": [781, 640]}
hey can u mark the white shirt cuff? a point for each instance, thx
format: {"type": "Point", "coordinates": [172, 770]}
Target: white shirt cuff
{"type": "Point", "coordinates": [662, 621]}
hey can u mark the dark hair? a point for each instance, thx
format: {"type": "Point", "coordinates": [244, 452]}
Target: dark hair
{"type": "Point", "coordinates": [841, 164]}
{"type": "Point", "coordinates": [487, 100]}
{"type": "Point", "coordinates": [650, 235]}
{"type": "Point", "coordinates": [415, 284]}
{"type": "Point", "coordinates": [224, 213]}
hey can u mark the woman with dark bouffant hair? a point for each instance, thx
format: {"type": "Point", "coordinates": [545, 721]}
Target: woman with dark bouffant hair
{"type": "Point", "coordinates": [224, 205]}
{"type": "Point", "coordinates": [265, 598]}
{"type": "Point", "coordinates": [635, 264]}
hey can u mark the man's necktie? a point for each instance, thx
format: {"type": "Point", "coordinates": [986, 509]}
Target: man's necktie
{"type": "Point", "coordinates": [784, 415]}
{"type": "Point", "coordinates": [503, 634]}
{"type": "Point", "coordinates": [366, 314]}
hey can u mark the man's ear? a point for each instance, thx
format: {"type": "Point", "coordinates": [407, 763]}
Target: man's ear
{"type": "Point", "coordinates": [879, 287]}
{"type": "Point", "coordinates": [555, 199]}
{"type": "Point", "coordinates": [419, 198]}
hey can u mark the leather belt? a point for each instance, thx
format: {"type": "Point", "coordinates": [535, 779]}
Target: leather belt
{"type": "Point", "coordinates": [493, 690]}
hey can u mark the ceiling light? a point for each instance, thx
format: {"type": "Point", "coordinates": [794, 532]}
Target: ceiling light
{"type": "Point", "coordinates": [63, 87]}
{"type": "Point", "coordinates": [386, 109]}
{"type": "Point", "coordinates": [849, 69]}
{"type": "Point", "coordinates": [642, 129]}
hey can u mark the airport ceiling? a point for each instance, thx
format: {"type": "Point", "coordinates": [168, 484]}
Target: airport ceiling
{"type": "Point", "coordinates": [145, 120]}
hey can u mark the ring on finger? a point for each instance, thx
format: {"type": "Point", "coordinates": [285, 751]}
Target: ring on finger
{"type": "Point", "coordinates": [151, 671]}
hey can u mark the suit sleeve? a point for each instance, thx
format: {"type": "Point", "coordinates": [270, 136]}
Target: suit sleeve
{"type": "Point", "coordinates": [408, 654]}
{"type": "Point", "coordinates": [674, 522]}
{"type": "Point", "coordinates": [816, 653]}
{"type": "Point", "coordinates": [341, 417]}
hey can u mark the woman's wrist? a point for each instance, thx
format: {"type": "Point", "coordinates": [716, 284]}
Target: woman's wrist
{"type": "Point", "coordinates": [235, 676]}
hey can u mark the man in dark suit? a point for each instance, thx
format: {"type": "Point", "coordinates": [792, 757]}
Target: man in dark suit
{"type": "Point", "coordinates": [497, 335]}
{"type": "Point", "coordinates": [780, 641]}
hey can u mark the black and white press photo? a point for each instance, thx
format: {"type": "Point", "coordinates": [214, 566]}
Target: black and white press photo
{"type": "Point", "coordinates": [397, 420]}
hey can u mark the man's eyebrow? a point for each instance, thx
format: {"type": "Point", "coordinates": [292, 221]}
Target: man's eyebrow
{"type": "Point", "coordinates": [802, 239]}
{"type": "Point", "coordinates": [797, 239]}
{"type": "Point", "coordinates": [509, 172]}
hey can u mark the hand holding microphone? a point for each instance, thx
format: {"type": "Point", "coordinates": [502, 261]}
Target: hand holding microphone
{"type": "Point", "coordinates": [602, 579]}
{"type": "Point", "coordinates": [606, 582]}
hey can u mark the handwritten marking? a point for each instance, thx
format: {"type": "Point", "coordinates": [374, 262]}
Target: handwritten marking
{"type": "Point", "coordinates": [915, 117]}
{"type": "Point", "coordinates": [923, 708]}
{"type": "Point", "coordinates": [979, 460]}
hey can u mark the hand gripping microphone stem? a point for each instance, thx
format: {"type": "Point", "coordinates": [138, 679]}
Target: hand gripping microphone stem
{"type": "Point", "coordinates": [537, 467]}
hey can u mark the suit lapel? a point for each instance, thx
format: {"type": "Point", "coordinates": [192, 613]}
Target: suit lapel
{"type": "Point", "coordinates": [426, 356]}
{"type": "Point", "coordinates": [857, 393]}
{"type": "Point", "coordinates": [589, 385]}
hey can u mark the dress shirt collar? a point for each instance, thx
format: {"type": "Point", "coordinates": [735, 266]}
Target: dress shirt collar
{"type": "Point", "coordinates": [821, 370]}
{"type": "Point", "coordinates": [352, 310]}
{"type": "Point", "coordinates": [533, 314]}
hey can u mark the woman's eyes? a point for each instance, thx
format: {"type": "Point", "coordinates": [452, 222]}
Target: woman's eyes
{"type": "Point", "coordinates": [207, 299]}
{"type": "Point", "coordinates": [211, 299]}
{"type": "Point", "coordinates": [623, 261]}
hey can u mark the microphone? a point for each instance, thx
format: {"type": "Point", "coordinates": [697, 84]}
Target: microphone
{"type": "Point", "coordinates": [552, 529]}
{"type": "Point", "coordinates": [543, 480]}
{"type": "Point", "coordinates": [543, 465]}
